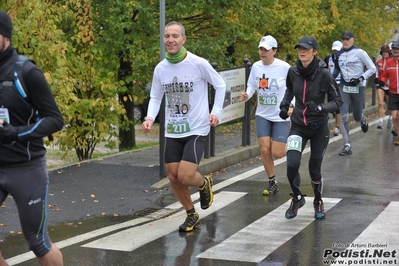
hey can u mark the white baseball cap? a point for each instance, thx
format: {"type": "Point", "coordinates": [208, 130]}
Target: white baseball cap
{"type": "Point", "coordinates": [268, 42]}
{"type": "Point", "coordinates": [337, 45]}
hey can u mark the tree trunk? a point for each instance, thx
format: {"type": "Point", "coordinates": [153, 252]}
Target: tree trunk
{"type": "Point", "coordinates": [127, 138]}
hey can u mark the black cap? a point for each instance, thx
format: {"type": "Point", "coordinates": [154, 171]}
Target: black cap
{"type": "Point", "coordinates": [307, 42]}
{"type": "Point", "coordinates": [395, 44]}
{"type": "Point", "coordinates": [347, 35]}
{"type": "Point", "coordinates": [5, 24]}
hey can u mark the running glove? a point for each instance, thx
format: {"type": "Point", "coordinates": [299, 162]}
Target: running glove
{"type": "Point", "coordinates": [313, 107]}
{"type": "Point", "coordinates": [8, 133]}
{"type": "Point", "coordinates": [355, 82]}
{"type": "Point", "coordinates": [381, 84]}
{"type": "Point", "coordinates": [283, 113]}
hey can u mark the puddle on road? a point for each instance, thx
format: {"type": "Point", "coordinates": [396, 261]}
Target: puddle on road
{"type": "Point", "coordinates": [14, 244]}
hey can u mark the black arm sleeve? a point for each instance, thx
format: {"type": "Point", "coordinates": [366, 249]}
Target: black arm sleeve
{"type": "Point", "coordinates": [334, 100]}
{"type": "Point", "coordinates": [42, 100]}
{"type": "Point", "coordinates": [289, 93]}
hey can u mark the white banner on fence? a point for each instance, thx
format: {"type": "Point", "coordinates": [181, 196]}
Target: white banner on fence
{"type": "Point", "coordinates": [235, 81]}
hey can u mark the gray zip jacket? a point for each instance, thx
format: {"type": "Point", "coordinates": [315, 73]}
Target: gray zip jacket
{"type": "Point", "coordinates": [352, 63]}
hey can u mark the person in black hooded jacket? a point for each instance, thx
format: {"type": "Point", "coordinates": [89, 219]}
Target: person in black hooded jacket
{"type": "Point", "coordinates": [316, 95]}
{"type": "Point", "coordinates": [27, 114]}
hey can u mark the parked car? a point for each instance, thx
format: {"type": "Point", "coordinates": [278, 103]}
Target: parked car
{"type": "Point", "coordinates": [140, 110]}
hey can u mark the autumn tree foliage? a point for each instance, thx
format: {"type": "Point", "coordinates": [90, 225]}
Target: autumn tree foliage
{"type": "Point", "coordinates": [98, 55]}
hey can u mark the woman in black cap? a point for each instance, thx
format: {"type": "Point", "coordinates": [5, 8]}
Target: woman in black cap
{"type": "Point", "coordinates": [309, 81]}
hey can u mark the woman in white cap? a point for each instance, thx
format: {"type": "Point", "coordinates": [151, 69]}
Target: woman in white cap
{"type": "Point", "coordinates": [267, 78]}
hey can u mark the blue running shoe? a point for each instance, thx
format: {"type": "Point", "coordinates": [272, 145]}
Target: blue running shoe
{"type": "Point", "coordinates": [319, 209]}
{"type": "Point", "coordinates": [296, 203]}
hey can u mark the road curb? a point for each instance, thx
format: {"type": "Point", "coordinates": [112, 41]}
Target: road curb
{"type": "Point", "coordinates": [228, 158]}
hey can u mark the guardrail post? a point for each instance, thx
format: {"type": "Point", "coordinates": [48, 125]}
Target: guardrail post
{"type": "Point", "coordinates": [246, 122]}
{"type": "Point", "coordinates": [213, 129]}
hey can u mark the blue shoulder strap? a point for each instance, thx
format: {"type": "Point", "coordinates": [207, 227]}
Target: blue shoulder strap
{"type": "Point", "coordinates": [18, 79]}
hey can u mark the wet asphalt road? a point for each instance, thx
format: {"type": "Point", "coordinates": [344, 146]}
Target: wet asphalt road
{"type": "Point", "coordinates": [111, 214]}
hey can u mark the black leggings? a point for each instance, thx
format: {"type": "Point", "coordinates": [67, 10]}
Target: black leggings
{"type": "Point", "coordinates": [319, 137]}
{"type": "Point", "coordinates": [28, 183]}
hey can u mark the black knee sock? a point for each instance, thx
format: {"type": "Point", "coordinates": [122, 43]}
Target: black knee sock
{"type": "Point", "coordinates": [317, 189]}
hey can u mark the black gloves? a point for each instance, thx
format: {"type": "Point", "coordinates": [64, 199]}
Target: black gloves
{"type": "Point", "coordinates": [355, 82]}
{"type": "Point", "coordinates": [8, 133]}
{"type": "Point", "coordinates": [283, 113]}
{"type": "Point", "coordinates": [380, 84]}
{"type": "Point", "coordinates": [313, 107]}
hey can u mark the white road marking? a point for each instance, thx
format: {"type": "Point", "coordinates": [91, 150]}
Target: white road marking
{"type": "Point", "coordinates": [80, 238]}
{"type": "Point", "coordinates": [381, 235]}
{"type": "Point", "coordinates": [230, 181]}
{"type": "Point", "coordinates": [259, 240]}
{"type": "Point", "coordinates": [131, 239]}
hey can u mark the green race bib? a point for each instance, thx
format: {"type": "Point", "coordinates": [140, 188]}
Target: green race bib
{"type": "Point", "coordinates": [351, 89]}
{"type": "Point", "coordinates": [178, 128]}
{"type": "Point", "coordinates": [294, 143]}
{"type": "Point", "coordinates": [269, 100]}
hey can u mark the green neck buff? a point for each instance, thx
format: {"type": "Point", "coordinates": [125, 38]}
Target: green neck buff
{"type": "Point", "coordinates": [178, 58]}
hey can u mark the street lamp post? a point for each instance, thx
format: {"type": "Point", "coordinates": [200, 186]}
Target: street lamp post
{"type": "Point", "coordinates": [162, 170]}
{"type": "Point", "coordinates": [161, 28]}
